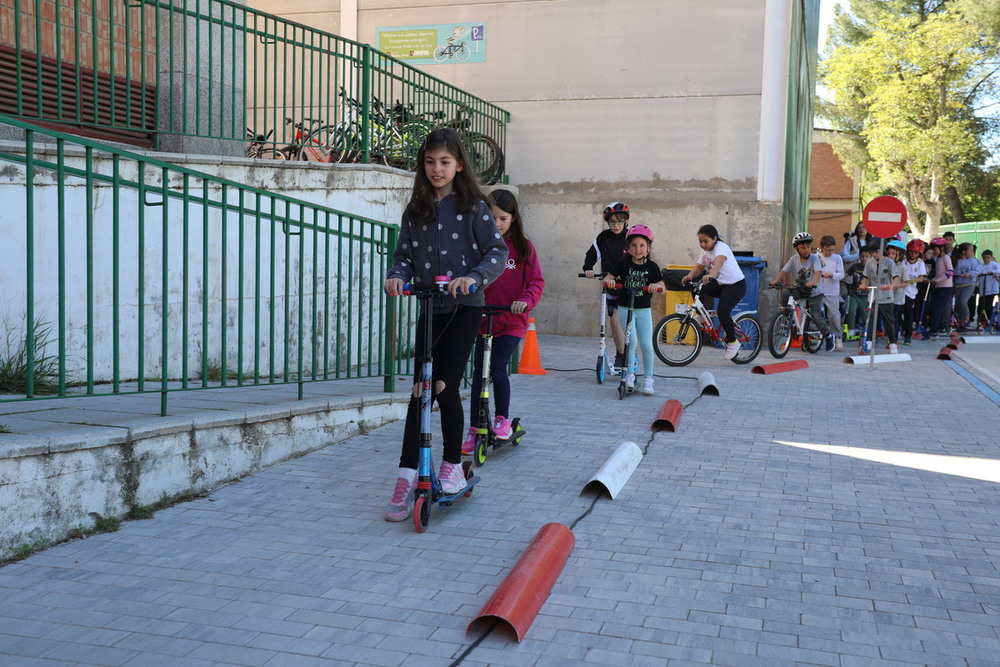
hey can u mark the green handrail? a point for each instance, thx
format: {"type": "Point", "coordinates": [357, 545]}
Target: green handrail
{"type": "Point", "coordinates": [211, 69]}
{"type": "Point", "coordinates": [128, 261]}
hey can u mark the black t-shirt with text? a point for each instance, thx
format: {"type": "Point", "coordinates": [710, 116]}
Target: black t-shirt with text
{"type": "Point", "coordinates": [631, 274]}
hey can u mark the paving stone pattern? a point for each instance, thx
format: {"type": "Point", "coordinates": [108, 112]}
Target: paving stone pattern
{"type": "Point", "coordinates": [726, 546]}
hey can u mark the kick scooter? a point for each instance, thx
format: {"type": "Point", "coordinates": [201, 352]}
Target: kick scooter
{"type": "Point", "coordinates": [605, 365]}
{"type": "Point", "coordinates": [429, 489]}
{"type": "Point", "coordinates": [623, 371]}
{"type": "Point", "coordinates": [871, 322]}
{"type": "Point", "coordinates": [485, 438]}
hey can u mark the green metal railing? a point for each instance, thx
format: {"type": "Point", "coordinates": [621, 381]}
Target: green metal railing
{"type": "Point", "coordinates": [213, 69]}
{"type": "Point", "coordinates": [155, 278]}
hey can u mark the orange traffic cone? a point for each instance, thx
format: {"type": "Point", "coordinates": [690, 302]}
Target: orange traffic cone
{"type": "Point", "coordinates": [530, 363]}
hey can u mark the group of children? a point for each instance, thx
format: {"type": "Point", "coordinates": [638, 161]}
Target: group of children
{"type": "Point", "coordinates": [916, 283]}
{"type": "Point", "coordinates": [451, 228]}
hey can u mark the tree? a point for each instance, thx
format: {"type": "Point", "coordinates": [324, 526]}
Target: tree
{"type": "Point", "coordinates": [907, 79]}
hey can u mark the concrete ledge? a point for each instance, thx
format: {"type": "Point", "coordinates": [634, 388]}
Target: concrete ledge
{"type": "Point", "coordinates": [55, 482]}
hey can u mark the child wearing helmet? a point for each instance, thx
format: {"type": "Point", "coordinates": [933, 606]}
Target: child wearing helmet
{"type": "Point", "coordinates": [722, 277]}
{"type": "Point", "coordinates": [638, 270]}
{"type": "Point", "coordinates": [609, 248]}
{"type": "Point", "coordinates": [916, 273]}
{"type": "Point", "coordinates": [942, 286]}
{"type": "Point", "coordinates": [808, 272]}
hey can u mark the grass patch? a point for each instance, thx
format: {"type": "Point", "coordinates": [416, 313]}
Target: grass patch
{"type": "Point", "coordinates": [14, 363]}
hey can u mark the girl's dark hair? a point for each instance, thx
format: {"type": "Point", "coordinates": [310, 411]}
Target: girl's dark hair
{"type": "Point", "coordinates": [507, 202]}
{"type": "Point", "coordinates": [465, 186]}
{"type": "Point", "coordinates": [709, 230]}
{"type": "Point", "coordinates": [859, 226]}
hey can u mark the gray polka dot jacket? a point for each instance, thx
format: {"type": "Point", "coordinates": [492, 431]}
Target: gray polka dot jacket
{"type": "Point", "coordinates": [456, 245]}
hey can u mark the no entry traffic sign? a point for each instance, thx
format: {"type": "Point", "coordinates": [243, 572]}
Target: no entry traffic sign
{"type": "Point", "coordinates": [884, 216]}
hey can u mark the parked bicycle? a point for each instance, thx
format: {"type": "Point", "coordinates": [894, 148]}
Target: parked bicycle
{"type": "Point", "coordinates": [484, 151]}
{"type": "Point", "coordinates": [679, 337]}
{"type": "Point", "coordinates": [792, 322]}
{"type": "Point", "coordinates": [258, 147]}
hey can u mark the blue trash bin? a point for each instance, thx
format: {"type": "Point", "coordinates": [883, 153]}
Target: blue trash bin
{"type": "Point", "coordinates": [752, 268]}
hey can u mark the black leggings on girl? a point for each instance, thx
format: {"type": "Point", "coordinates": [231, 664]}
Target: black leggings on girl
{"type": "Point", "coordinates": [453, 333]}
{"type": "Point", "coordinates": [729, 296]}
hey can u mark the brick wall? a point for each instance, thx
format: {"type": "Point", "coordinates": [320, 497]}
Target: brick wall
{"type": "Point", "coordinates": [833, 206]}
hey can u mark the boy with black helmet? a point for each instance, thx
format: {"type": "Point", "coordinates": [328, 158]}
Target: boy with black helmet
{"type": "Point", "coordinates": [808, 272]}
{"type": "Point", "coordinates": [609, 249]}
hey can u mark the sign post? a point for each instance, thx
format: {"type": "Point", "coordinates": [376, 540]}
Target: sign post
{"type": "Point", "coordinates": [884, 217]}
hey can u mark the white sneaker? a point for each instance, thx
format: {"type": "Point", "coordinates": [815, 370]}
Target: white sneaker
{"type": "Point", "coordinates": [732, 349]}
{"type": "Point", "coordinates": [838, 344]}
{"type": "Point", "coordinates": [630, 382]}
{"type": "Point", "coordinates": [893, 349]}
{"type": "Point", "coordinates": [647, 386]}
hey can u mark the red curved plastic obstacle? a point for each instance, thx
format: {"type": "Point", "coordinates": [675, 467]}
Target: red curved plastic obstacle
{"type": "Point", "coordinates": [669, 417]}
{"type": "Point", "coordinates": [780, 367]}
{"type": "Point", "coordinates": [522, 593]}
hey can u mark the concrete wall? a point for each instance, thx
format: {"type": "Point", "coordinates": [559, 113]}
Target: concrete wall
{"type": "Point", "coordinates": [651, 102]}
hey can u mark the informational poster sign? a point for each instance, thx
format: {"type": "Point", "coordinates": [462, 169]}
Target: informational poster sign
{"type": "Point", "coordinates": [444, 43]}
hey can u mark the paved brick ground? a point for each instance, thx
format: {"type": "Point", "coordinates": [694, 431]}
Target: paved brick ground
{"type": "Point", "coordinates": [732, 543]}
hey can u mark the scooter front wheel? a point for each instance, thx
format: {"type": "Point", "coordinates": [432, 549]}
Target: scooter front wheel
{"type": "Point", "coordinates": [518, 432]}
{"type": "Point", "coordinates": [479, 452]}
{"type": "Point", "coordinates": [600, 369]}
{"type": "Point", "coordinates": [621, 391]}
{"type": "Point", "coordinates": [421, 513]}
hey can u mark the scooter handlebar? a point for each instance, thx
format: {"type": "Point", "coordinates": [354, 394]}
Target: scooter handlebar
{"type": "Point", "coordinates": [596, 275]}
{"type": "Point", "coordinates": [410, 289]}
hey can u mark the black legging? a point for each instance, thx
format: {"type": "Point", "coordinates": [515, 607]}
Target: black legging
{"type": "Point", "coordinates": [454, 334]}
{"type": "Point", "coordinates": [729, 296]}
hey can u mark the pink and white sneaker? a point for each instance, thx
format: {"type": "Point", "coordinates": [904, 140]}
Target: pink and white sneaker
{"type": "Point", "coordinates": [452, 478]}
{"type": "Point", "coordinates": [469, 445]}
{"type": "Point", "coordinates": [401, 503]}
{"type": "Point", "coordinates": [501, 428]}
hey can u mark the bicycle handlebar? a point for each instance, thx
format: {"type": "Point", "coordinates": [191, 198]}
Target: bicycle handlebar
{"type": "Point", "coordinates": [647, 288]}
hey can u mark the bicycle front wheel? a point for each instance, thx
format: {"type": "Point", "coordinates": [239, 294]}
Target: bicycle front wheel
{"type": "Point", "coordinates": [463, 53]}
{"type": "Point", "coordinates": [749, 338]}
{"type": "Point", "coordinates": [779, 336]}
{"type": "Point", "coordinates": [812, 339]}
{"type": "Point", "coordinates": [485, 155]}
{"type": "Point", "coordinates": [676, 340]}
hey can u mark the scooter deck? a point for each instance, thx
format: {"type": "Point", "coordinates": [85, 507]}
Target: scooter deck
{"type": "Point", "coordinates": [444, 500]}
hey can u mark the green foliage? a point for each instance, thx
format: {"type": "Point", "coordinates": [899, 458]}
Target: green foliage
{"type": "Point", "coordinates": [14, 362]}
{"type": "Point", "coordinates": [906, 77]}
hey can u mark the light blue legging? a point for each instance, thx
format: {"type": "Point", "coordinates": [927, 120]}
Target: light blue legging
{"type": "Point", "coordinates": [642, 334]}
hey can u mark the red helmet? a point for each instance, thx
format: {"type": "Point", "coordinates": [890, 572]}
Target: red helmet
{"type": "Point", "coordinates": [615, 207]}
{"type": "Point", "coordinates": [916, 245]}
{"type": "Point", "coordinates": [939, 240]}
{"type": "Point", "coordinates": [640, 230]}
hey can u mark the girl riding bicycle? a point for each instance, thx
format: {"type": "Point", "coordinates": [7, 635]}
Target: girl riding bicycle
{"type": "Point", "coordinates": [721, 276]}
{"type": "Point", "coordinates": [447, 230]}
{"type": "Point", "coordinates": [637, 270]}
{"type": "Point", "coordinates": [520, 286]}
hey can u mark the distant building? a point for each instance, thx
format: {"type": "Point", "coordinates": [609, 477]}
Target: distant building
{"type": "Point", "coordinates": [834, 199]}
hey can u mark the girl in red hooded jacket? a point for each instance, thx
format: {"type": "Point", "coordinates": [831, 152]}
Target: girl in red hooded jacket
{"type": "Point", "coordinates": [520, 286]}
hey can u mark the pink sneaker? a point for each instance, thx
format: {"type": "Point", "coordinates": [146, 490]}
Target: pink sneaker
{"type": "Point", "coordinates": [501, 428]}
{"type": "Point", "coordinates": [469, 445]}
{"type": "Point", "coordinates": [452, 478]}
{"type": "Point", "coordinates": [402, 496]}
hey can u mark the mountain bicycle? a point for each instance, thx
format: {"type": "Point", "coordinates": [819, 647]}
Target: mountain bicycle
{"type": "Point", "coordinates": [792, 321]}
{"type": "Point", "coordinates": [393, 140]}
{"type": "Point", "coordinates": [679, 337]}
{"type": "Point", "coordinates": [458, 50]}
{"type": "Point", "coordinates": [484, 152]}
